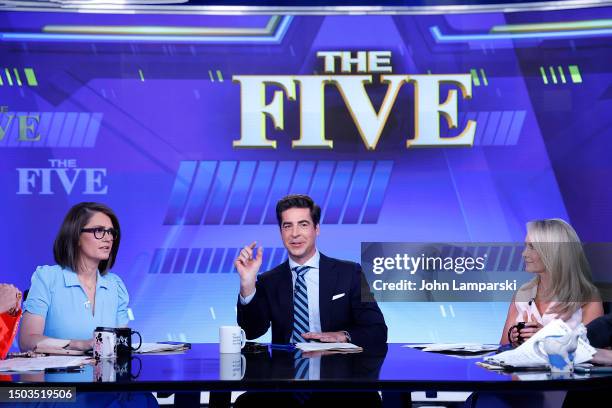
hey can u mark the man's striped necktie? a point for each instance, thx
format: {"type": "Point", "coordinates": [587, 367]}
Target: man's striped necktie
{"type": "Point", "coordinates": [300, 305]}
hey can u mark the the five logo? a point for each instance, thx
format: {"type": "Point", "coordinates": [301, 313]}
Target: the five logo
{"type": "Point", "coordinates": [62, 175]}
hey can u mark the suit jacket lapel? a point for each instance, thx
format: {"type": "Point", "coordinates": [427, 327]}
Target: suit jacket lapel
{"type": "Point", "coordinates": [285, 300]}
{"type": "Point", "coordinates": [328, 276]}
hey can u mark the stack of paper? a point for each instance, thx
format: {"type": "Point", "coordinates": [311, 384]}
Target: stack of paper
{"type": "Point", "coordinates": [41, 363]}
{"type": "Point", "coordinates": [463, 348]}
{"type": "Point", "coordinates": [161, 347]}
{"type": "Point", "coordinates": [525, 355]}
{"type": "Point", "coordinates": [336, 347]}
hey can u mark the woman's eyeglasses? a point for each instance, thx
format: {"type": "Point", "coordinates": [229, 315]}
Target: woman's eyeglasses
{"type": "Point", "coordinates": [100, 232]}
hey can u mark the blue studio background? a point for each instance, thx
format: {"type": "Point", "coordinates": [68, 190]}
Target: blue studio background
{"type": "Point", "coordinates": [144, 120]}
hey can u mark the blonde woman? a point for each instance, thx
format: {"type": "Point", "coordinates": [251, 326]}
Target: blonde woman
{"type": "Point", "coordinates": [562, 286]}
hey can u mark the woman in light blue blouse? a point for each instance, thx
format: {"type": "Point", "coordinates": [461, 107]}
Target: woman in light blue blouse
{"type": "Point", "coordinates": [67, 301]}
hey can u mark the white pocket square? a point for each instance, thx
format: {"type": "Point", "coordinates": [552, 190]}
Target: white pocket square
{"type": "Point", "coordinates": [338, 296]}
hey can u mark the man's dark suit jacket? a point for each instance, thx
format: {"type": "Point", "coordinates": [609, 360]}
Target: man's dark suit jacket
{"type": "Point", "coordinates": [599, 331]}
{"type": "Point", "coordinates": [273, 304]}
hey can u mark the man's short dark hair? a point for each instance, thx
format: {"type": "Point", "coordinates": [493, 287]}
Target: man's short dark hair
{"type": "Point", "coordinates": [66, 245]}
{"type": "Point", "coordinates": [298, 201]}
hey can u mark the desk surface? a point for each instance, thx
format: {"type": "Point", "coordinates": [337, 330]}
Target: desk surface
{"type": "Point", "coordinates": [388, 368]}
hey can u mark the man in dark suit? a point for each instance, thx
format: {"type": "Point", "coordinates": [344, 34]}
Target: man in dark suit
{"type": "Point", "coordinates": [310, 296]}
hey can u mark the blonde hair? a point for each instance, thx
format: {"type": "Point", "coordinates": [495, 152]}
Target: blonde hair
{"type": "Point", "coordinates": [561, 252]}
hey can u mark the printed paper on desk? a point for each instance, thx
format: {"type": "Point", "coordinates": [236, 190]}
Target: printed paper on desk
{"type": "Point", "coordinates": [160, 348]}
{"type": "Point", "coordinates": [41, 363]}
{"type": "Point", "coordinates": [59, 352]}
{"type": "Point", "coordinates": [525, 356]}
{"type": "Point", "coordinates": [340, 347]}
{"type": "Point", "coordinates": [455, 347]}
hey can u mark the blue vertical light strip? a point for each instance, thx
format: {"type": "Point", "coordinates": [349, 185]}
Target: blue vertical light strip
{"type": "Point", "coordinates": [230, 257]}
{"type": "Point", "coordinates": [492, 263]}
{"type": "Point", "coordinates": [280, 187]}
{"type": "Point", "coordinates": [68, 129]}
{"type": "Point", "coordinates": [92, 130]}
{"type": "Point", "coordinates": [205, 260]}
{"type": "Point", "coordinates": [359, 185]}
{"type": "Point", "coordinates": [199, 192]}
{"type": "Point", "coordinates": [219, 192]}
{"type": "Point", "coordinates": [321, 181]}
{"type": "Point", "coordinates": [376, 193]}
{"type": "Point", "coordinates": [504, 127]}
{"type": "Point", "coordinates": [515, 128]}
{"type": "Point", "coordinates": [240, 192]}
{"type": "Point", "coordinates": [22, 143]}
{"type": "Point", "coordinates": [491, 130]}
{"type": "Point", "coordinates": [471, 116]}
{"type": "Point", "coordinates": [519, 264]}
{"type": "Point", "coordinates": [338, 192]}
{"type": "Point", "coordinates": [181, 258]}
{"type": "Point", "coordinates": [482, 121]}
{"type": "Point", "coordinates": [80, 129]}
{"type": "Point", "coordinates": [504, 259]}
{"type": "Point", "coordinates": [44, 125]}
{"type": "Point", "coordinates": [31, 133]}
{"type": "Point", "coordinates": [510, 255]}
{"type": "Point", "coordinates": [158, 257]}
{"type": "Point", "coordinates": [268, 255]}
{"type": "Point", "coordinates": [180, 192]}
{"type": "Point", "coordinates": [4, 122]}
{"type": "Point", "coordinates": [448, 250]}
{"type": "Point", "coordinates": [192, 260]}
{"type": "Point", "coordinates": [259, 192]}
{"type": "Point", "coordinates": [302, 178]}
{"type": "Point", "coordinates": [215, 263]}
{"type": "Point", "coordinates": [56, 129]}
{"type": "Point", "coordinates": [514, 260]}
{"type": "Point", "coordinates": [477, 251]}
{"type": "Point", "coordinates": [14, 135]}
{"type": "Point", "coordinates": [169, 260]}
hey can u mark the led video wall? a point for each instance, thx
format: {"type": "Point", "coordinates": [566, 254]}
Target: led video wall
{"type": "Point", "coordinates": [404, 128]}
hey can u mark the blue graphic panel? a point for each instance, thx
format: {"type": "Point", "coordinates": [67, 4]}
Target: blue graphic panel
{"type": "Point", "coordinates": [199, 192]}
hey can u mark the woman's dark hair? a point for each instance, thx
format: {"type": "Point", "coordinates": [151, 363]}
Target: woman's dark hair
{"type": "Point", "coordinates": [298, 201]}
{"type": "Point", "coordinates": [66, 245]}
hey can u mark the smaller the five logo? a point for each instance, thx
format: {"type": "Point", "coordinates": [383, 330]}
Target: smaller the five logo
{"type": "Point", "coordinates": [62, 175]}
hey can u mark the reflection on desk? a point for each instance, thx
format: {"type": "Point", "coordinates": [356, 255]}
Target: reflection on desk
{"type": "Point", "coordinates": [281, 364]}
{"type": "Point", "coordinates": [392, 368]}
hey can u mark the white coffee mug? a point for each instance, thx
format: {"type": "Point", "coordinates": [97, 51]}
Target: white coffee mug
{"type": "Point", "coordinates": [105, 343]}
{"type": "Point", "coordinates": [232, 366]}
{"type": "Point", "coordinates": [231, 339]}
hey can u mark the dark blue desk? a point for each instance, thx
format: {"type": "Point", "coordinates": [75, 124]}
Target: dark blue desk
{"type": "Point", "coordinates": [394, 369]}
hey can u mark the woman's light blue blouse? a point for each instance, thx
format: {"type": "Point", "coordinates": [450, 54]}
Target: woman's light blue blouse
{"type": "Point", "coordinates": [56, 295]}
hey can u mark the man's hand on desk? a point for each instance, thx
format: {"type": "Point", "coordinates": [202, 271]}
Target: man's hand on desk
{"type": "Point", "coordinates": [602, 356]}
{"type": "Point", "coordinates": [327, 337]}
